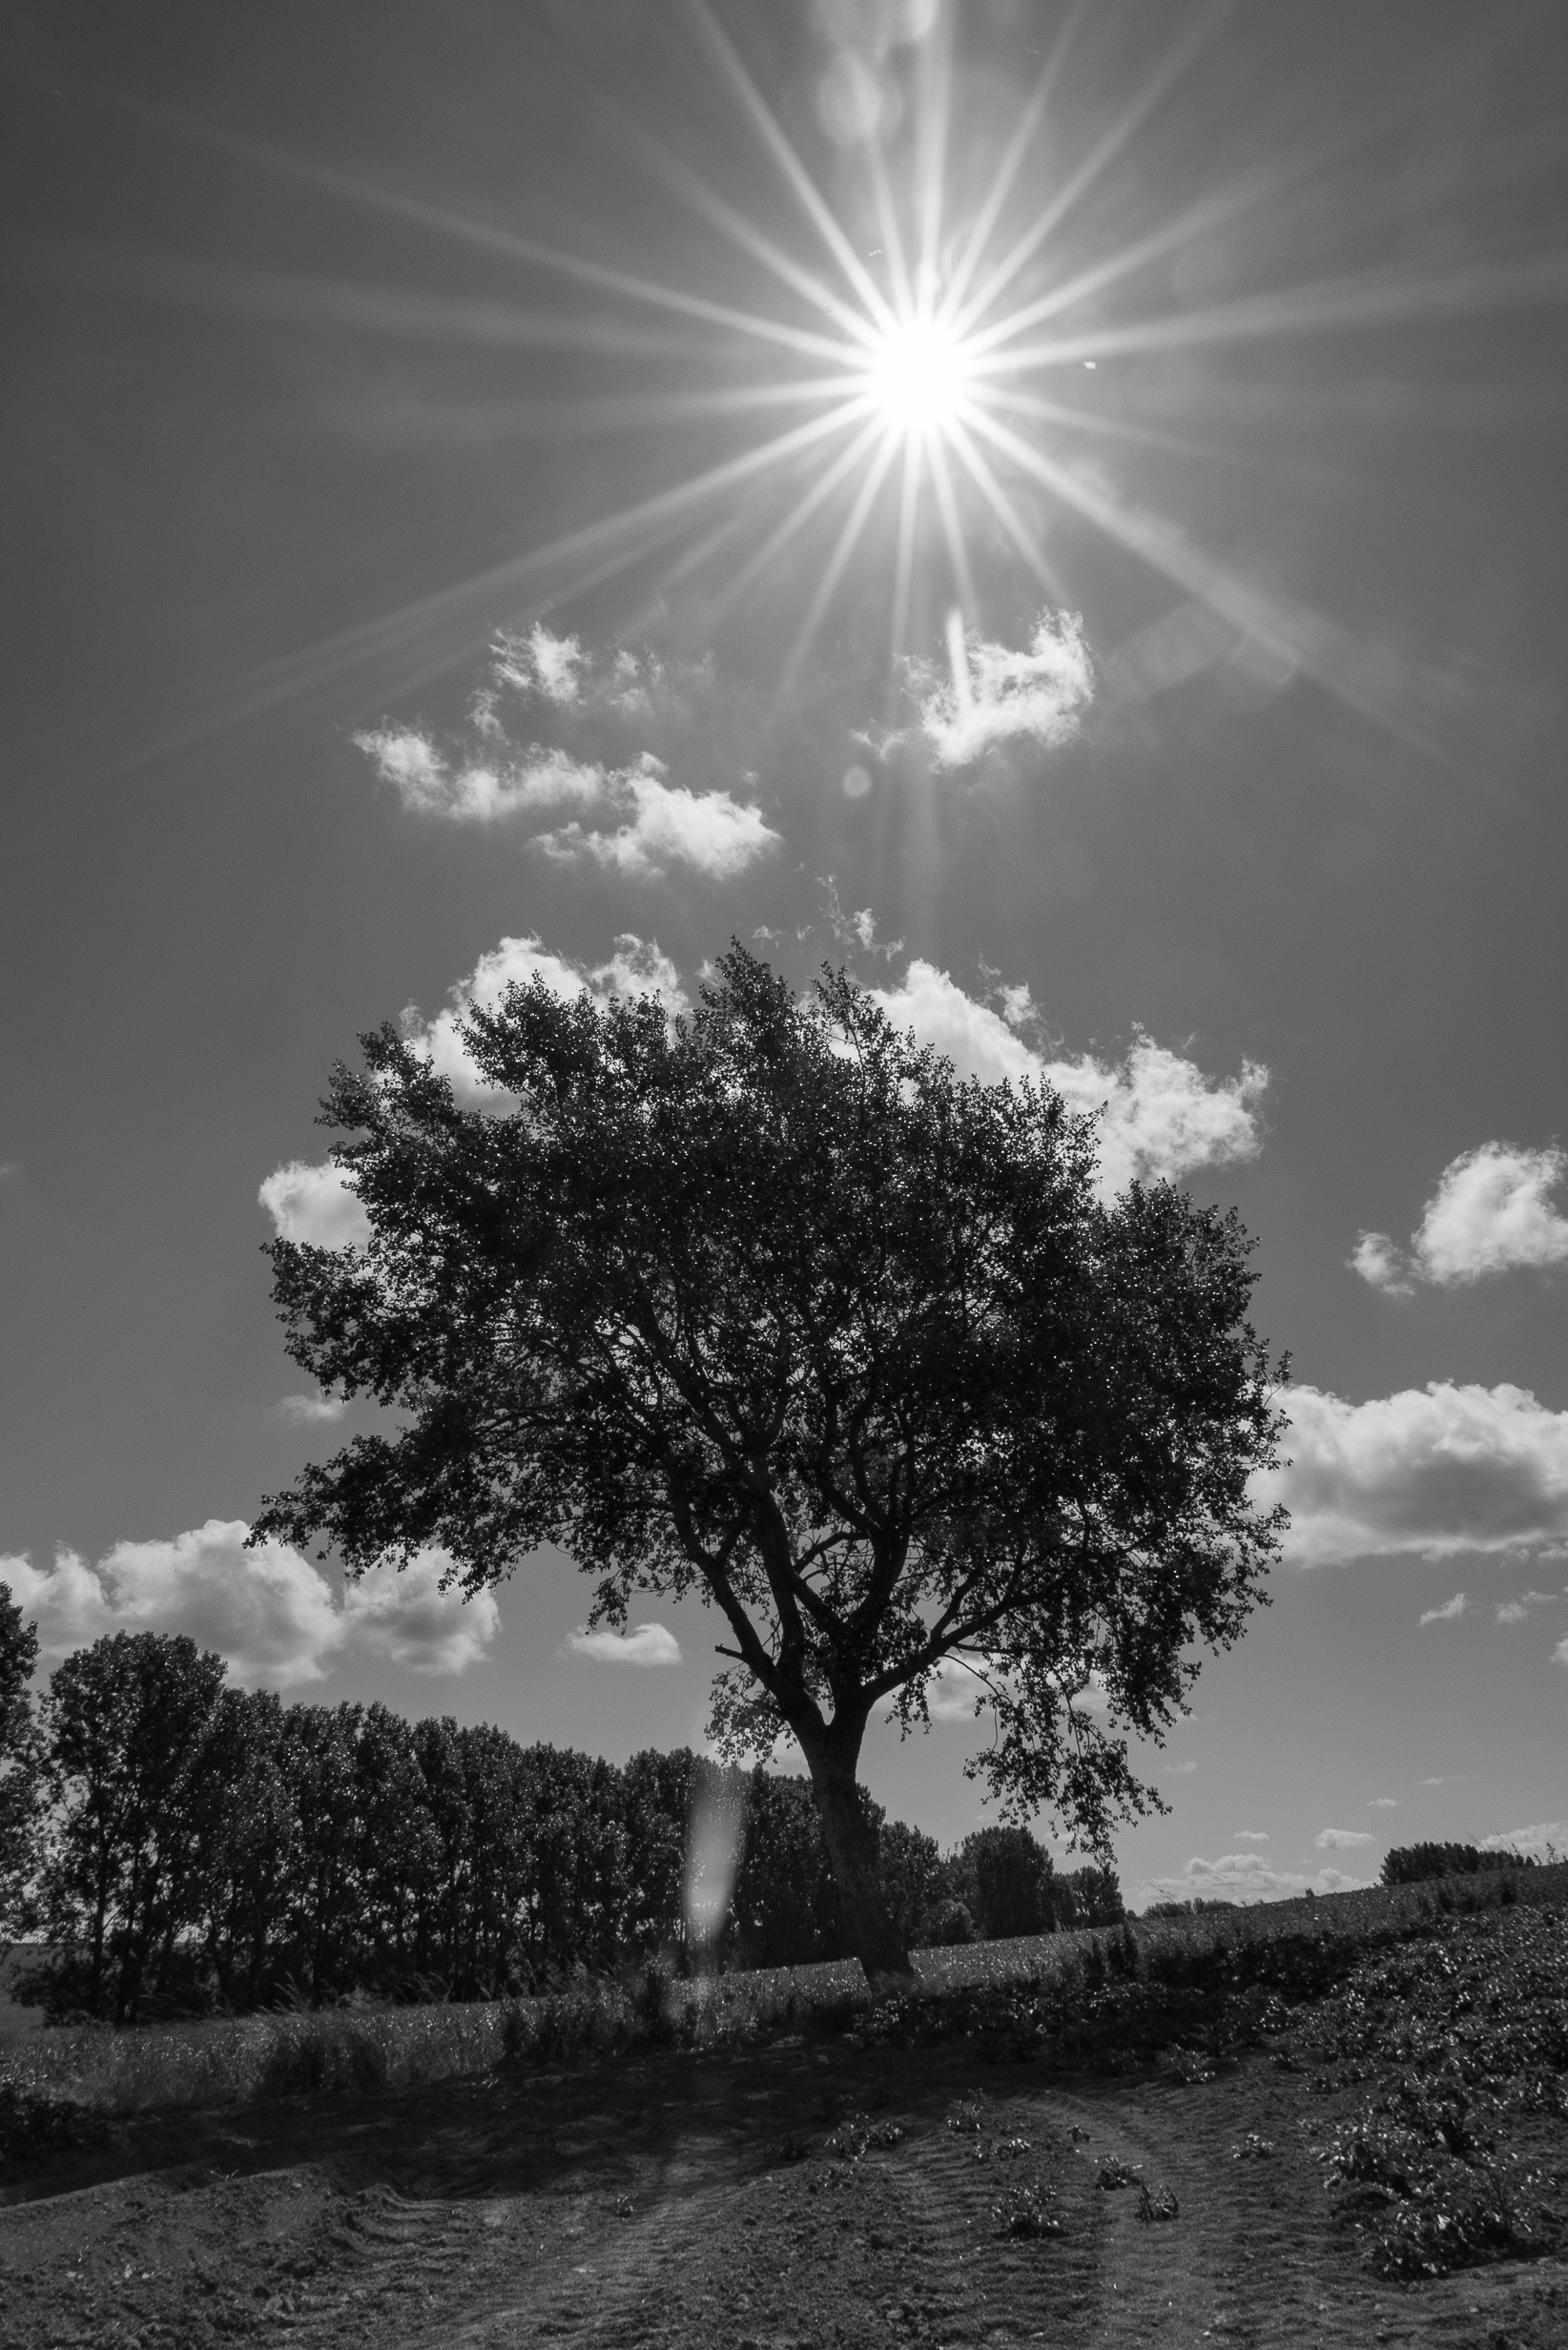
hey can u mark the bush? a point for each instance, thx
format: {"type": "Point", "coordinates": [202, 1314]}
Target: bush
{"type": "Point", "coordinates": [1419, 1864]}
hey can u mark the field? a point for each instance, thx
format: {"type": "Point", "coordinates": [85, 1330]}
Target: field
{"type": "Point", "coordinates": [1339, 2123]}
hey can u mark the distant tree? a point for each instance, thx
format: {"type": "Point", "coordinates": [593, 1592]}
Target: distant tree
{"type": "Point", "coordinates": [1003, 1877]}
{"type": "Point", "coordinates": [912, 1881]}
{"type": "Point", "coordinates": [130, 1724]}
{"type": "Point", "coordinates": [20, 1769]}
{"type": "Point", "coordinates": [1088, 1896]}
{"type": "Point", "coordinates": [769, 1304]}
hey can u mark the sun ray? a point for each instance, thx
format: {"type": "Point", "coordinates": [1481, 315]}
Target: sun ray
{"type": "Point", "coordinates": [947, 506]}
{"type": "Point", "coordinates": [1009, 166]}
{"type": "Point", "coordinates": [903, 562]}
{"type": "Point", "coordinates": [848, 540]}
{"type": "Point", "coordinates": [1001, 505]}
{"type": "Point", "coordinates": [935, 85]}
{"type": "Point", "coordinates": [698, 13]}
{"type": "Point", "coordinates": [799, 514]}
{"type": "Point", "coordinates": [1197, 37]}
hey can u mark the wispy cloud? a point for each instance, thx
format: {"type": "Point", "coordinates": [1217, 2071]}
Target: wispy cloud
{"type": "Point", "coordinates": [1342, 1839]}
{"type": "Point", "coordinates": [1159, 1115]}
{"type": "Point", "coordinates": [1491, 1213]}
{"type": "Point", "coordinates": [1448, 1612]}
{"type": "Point", "coordinates": [1243, 1877]}
{"type": "Point", "coordinates": [645, 1645]}
{"type": "Point", "coordinates": [994, 695]}
{"type": "Point", "coordinates": [266, 1611]}
{"type": "Point", "coordinates": [479, 791]}
{"type": "Point", "coordinates": [1436, 1470]}
{"type": "Point", "coordinates": [311, 1411]}
{"type": "Point", "coordinates": [1518, 1611]}
{"type": "Point", "coordinates": [1384, 1803]}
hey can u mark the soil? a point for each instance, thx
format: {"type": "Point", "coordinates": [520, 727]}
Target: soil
{"type": "Point", "coordinates": [736, 2202]}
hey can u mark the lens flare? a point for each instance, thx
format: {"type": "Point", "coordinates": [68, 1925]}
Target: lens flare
{"type": "Point", "coordinates": [917, 376]}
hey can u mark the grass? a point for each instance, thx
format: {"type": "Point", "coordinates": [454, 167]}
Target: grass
{"type": "Point", "coordinates": [1188, 1991]}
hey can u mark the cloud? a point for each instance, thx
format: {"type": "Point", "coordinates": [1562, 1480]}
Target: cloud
{"type": "Point", "coordinates": [1384, 1803]}
{"type": "Point", "coordinates": [1243, 1877]}
{"type": "Point", "coordinates": [1159, 1115]}
{"type": "Point", "coordinates": [637, 967]}
{"type": "Point", "coordinates": [267, 1611]}
{"type": "Point", "coordinates": [1535, 1840]}
{"type": "Point", "coordinates": [1342, 1839]}
{"type": "Point", "coordinates": [1379, 1263]}
{"type": "Point", "coordinates": [995, 695]}
{"type": "Point", "coordinates": [716, 833]}
{"type": "Point", "coordinates": [1432, 1472]}
{"type": "Point", "coordinates": [315, 1205]}
{"type": "Point", "coordinates": [548, 667]}
{"type": "Point", "coordinates": [1252, 1835]}
{"type": "Point", "coordinates": [1518, 1611]}
{"type": "Point", "coordinates": [478, 791]}
{"type": "Point", "coordinates": [311, 1411]}
{"type": "Point", "coordinates": [1490, 1213]}
{"type": "Point", "coordinates": [1183, 1770]}
{"type": "Point", "coordinates": [643, 1645]}
{"type": "Point", "coordinates": [1448, 1612]}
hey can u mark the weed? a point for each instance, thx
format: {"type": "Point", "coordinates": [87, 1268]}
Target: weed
{"type": "Point", "coordinates": [1115, 2174]}
{"type": "Point", "coordinates": [1161, 2206]}
{"type": "Point", "coordinates": [1025, 2209]}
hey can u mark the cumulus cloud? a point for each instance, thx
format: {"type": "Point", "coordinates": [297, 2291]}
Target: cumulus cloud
{"type": "Point", "coordinates": [643, 1645]}
{"type": "Point", "coordinates": [1159, 1115]}
{"type": "Point", "coordinates": [316, 1205]}
{"type": "Point", "coordinates": [266, 1611]}
{"type": "Point", "coordinates": [637, 967]}
{"type": "Point", "coordinates": [1341, 1839]}
{"type": "Point", "coordinates": [666, 823]}
{"type": "Point", "coordinates": [1433, 1472]}
{"type": "Point", "coordinates": [1252, 1835]}
{"type": "Point", "coordinates": [551, 667]}
{"type": "Point", "coordinates": [1243, 1877]}
{"type": "Point", "coordinates": [1448, 1612]}
{"type": "Point", "coordinates": [1541, 1840]}
{"type": "Point", "coordinates": [311, 1411]}
{"type": "Point", "coordinates": [1384, 1803]}
{"type": "Point", "coordinates": [995, 695]}
{"type": "Point", "coordinates": [478, 791]}
{"type": "Point", "coordinates": [1491, 1213]}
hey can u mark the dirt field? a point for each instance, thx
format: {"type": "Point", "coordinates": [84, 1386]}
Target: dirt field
{"type": "Point", "coordinates": [679, 2200]}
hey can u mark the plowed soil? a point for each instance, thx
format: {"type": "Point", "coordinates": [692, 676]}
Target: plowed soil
{"type": "Point", "coordinates": [732, 2201]}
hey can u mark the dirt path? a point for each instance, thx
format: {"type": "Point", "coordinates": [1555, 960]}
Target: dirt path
{"type": "Point", "coordinates": [679, 2201]}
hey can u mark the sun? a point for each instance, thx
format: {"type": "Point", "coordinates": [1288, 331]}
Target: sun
{"type": "Point", "coordinates": [917, 376]}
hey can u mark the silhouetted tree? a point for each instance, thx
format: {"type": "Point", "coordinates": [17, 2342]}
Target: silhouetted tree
{"type": "Point", "coordinates": [767, 1304]}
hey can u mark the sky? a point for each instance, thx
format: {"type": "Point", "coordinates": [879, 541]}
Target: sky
{"type": "Point", "coordinates": [1058, 510]}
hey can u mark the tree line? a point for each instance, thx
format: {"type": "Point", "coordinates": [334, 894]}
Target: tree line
{"type": "Point", "coordinates": [183, 1846]}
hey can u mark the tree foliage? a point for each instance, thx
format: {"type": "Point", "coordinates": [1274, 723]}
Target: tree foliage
{"type": "Point", "coordinates": [770, 1304]}
{"type": "Point", "coordinates": [21, 1773]}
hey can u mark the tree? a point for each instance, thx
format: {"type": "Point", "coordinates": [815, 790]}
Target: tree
{"type": "Point", "coordinates": [21, 1768]}
{"type": "Point", "coordinates": [769, 1304]}
{"type": "Point", "coordinates": [130, 1724]}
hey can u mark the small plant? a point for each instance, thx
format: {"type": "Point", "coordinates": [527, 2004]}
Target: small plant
{"type": "Point", "coordinates": [1115, 2174]}
{"type": "Point", "coordinates": [1013, 2150]}
{"type": "Point", "coordinates": [1252, 2148]}
{"type": "Point", "coordinates": [968, 2120]}
{"type": "Point", "coordinates": [1161, 2206]}
{"type": "Point", "coordinates": [1025, 2209]}
{"type": "Point", "coordinates": [859, 2133]}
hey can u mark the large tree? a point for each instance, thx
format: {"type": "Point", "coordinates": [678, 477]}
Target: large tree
{"type": "Point", "coordinates": [769, 1304]}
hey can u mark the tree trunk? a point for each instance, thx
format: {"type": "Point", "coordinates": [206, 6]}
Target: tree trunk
{"type": "Point", "coordinates": [851, 1843]}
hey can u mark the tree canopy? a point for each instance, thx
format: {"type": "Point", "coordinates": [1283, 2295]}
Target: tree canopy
{"type": "Point", "coordinates": [766, 1303]}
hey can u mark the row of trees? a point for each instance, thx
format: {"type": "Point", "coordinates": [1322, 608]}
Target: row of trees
{"type": "Point", "coordinates": [186, 1845]}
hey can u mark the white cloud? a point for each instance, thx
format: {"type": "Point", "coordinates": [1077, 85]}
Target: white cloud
{"type": "Point", "coordinates": [1537, 1840]}
{"type": "Point", "coordinates": [266, 1611]}
{"type": "Point", "coordinates": [637, 967]}
{"type": "Point", "coordinates": [667, 823]}
{"type": "Point", "coordinates": [1448, 1612]}
{"type": "Point", "coordinates": [311, 1411]}
{"type": "Point", "coordinates": [1252, 1835]}
{"type": "Point", "coordinates": [1159, 1116]}
{"type": "Point", "coordinates": [1435, 1472]}
{"type": "Point", "coordinates": [1491, 1213]}
{"type": "Point", "coordinates": [1384, 1803]}
{"type": "Point", "coordinates": [643, 1645]}
{"type": "Point", "coordinates": [1243, 1877]}
{"type": "Point", "coordinates": [1342, 1839]}
{"type": "Point", "coordinates": [541, 664]}
{"type": "Point", "coordinates": [1518, 1611]}
{"type": "Point", "coordinates": [1380, 1264]}
{"type": "Point", "coordinates": [995, 695]}
{"type": "Point", "coordinates": [1183, 1770]}
{"type": "Point", "coordinates": [314, 1204]}
{"type": "Point", "coordinates": [478, 791]}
